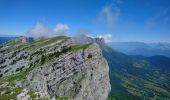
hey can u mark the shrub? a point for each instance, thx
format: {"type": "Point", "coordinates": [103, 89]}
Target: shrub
{"type": "Point", "coordinates": [43, 59]}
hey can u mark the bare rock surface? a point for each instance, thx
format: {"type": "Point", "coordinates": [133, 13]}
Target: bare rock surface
{"type": "Point", "coordinates": [54, 68]}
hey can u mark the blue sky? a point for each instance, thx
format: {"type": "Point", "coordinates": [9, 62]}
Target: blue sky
{"type": "Point", "coordinates": [119, 20]}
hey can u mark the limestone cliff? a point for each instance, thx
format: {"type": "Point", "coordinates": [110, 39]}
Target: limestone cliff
{"type": "Point", "coordinates": [53, 68]}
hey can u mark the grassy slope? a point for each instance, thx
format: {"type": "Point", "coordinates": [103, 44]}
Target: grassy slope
{"type": "Point", "coordinates": [131, 82]}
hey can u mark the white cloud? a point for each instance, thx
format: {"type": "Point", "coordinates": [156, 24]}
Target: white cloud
{"type": "Point", "coordinates": [106, 37]}
{"type": "Point", "coordinates": [61, 28]}
{"type": "Point", "coordinates": [40, 30]}
{"type": "Point", "coordinates": [109, 13]}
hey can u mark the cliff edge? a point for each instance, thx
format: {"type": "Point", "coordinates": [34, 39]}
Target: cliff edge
{"type": "Point", "coordinates": [53, 68]}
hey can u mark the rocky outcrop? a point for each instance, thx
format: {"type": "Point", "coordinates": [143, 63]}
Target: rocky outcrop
{"type": "Point", "coordinates": [82, 39]}
{"type": "Point", "coordinates": [63, 69]}
{"type": "Point", "coordinates": [26, 39]}
{"type": "Point", "coordinates": [82, 74]}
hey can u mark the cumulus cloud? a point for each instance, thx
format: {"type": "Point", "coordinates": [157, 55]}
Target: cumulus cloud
{"type": "Point", "coordinates": [61, 28]}
{"type": "Point", "coordinates": [106, 37]}
{"type": "Point", "coordinates": [41, 30]}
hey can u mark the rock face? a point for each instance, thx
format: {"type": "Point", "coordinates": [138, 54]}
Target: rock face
{"type": "Point", "coordinates": [82, 39]}
{"type": "Point", "coordinates": [24, 39]}
{"type": "Point", "coordinates": [61, 68]}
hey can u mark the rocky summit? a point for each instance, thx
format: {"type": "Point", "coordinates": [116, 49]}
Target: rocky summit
{"type": "Point", "coordinates": [53, 68]}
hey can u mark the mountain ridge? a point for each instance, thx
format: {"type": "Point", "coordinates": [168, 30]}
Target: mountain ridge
{"type": "Point", "coordinates": [141, 48]}
{"type": "Point", "coordinates": [136, 77]}
{"type": "Point", "coordinates": [53, 68]}
{"type": "Point", "coordinates": [132, 77]}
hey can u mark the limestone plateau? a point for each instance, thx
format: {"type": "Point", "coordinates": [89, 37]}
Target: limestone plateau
{"type": "Point", "coordinates": [52, 68]}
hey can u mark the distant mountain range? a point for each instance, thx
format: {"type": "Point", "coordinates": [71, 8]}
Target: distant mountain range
{"type": "Point", "coordinates": [140, 48]}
